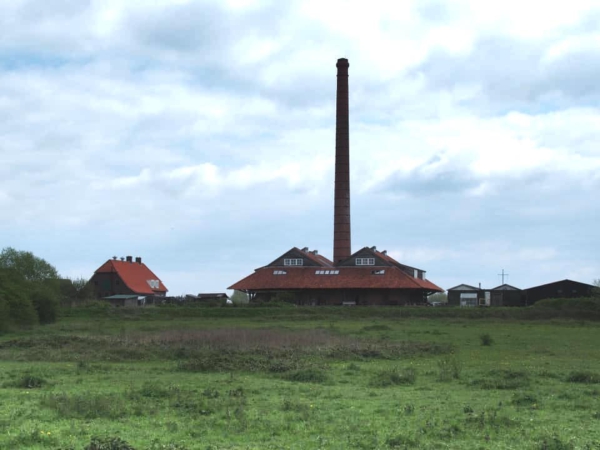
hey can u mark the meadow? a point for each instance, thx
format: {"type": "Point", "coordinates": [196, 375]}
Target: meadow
{"type": "Point", "coordinates": [301, 378]}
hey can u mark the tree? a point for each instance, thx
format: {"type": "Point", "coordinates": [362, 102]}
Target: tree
{"type": "Point", "coordinates": [15, 300]}
{"type": "Point", "coordinates": [29, 266]}
{"type": "Point", "coordinates": [29, 285]}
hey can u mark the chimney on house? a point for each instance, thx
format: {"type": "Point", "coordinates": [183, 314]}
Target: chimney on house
{"type": "Point", "coordinates": [138, 259]}
{"type": "Point", "coordinates": [129, 259]}
{"type": "Point", "coordinates": [341, 219]}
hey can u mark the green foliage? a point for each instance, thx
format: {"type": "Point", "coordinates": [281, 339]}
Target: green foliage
{"type": "Point", "coordinates": [29, 288]}
{"type": "Point", "coordinates": [4, 313]}
{"type": "Point", "coordinates": [590, 304]}
{"type": "Point", "coordinates": [438, 297]}
{"type": "Point", "coordinates": [75, 290]}
{"type": "Point", "coordinates": [15, 295]}
{"type": "Point", "coordinates": [45, 303]}
{"type": "Point", "coordinates": [486, 339]}
{"type": "Point", "coordinates": [31, 267]}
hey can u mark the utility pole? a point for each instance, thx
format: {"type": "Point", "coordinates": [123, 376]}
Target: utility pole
{"type": "Point", "coordinates": [503, 275]}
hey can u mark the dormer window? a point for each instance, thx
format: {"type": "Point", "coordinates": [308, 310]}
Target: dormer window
{"type": "Point", "coordinates": [293, 262]}
{"type": "Point", "coordinates": [365, 261]}
{"type": "Point", "coordinates": [154, 284]}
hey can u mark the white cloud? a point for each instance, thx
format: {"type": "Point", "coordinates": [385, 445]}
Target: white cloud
{"type": "Point", "coordinates": [120, 128]}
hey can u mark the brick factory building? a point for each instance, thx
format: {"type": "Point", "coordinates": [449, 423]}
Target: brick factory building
{"type": "Point", "coordinates": [366, 277]}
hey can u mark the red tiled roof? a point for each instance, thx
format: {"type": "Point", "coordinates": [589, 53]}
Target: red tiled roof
{"type": "Point", "coordinates": [134, 275]}
{"type": "Point", "coordinates": [348, 278]}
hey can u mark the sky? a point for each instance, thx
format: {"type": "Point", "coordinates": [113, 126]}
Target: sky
{"type": "Point", "coordinates": [200, 135]}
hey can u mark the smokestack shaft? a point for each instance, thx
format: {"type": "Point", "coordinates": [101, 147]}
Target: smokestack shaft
{"type": "Point", "coordinates": [341, 220]}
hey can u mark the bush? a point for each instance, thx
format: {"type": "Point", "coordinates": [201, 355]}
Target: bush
{"type": "Point", "coordinates": [14, 294]}
{"type": "Point", "coordinates": [45, 304]}
{"type": "Point", "coordinates": [4, 314]}
{"type": "Point", "coordinates": [486, 339]}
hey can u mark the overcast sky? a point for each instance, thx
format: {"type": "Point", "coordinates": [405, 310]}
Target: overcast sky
{"type": "Point", "coordinates": [200, 135]}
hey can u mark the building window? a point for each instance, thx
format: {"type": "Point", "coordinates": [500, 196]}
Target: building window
{"type": "Point", "coordinates": [327, 272]}
{"type": "Point", "coordinates": [378, 272]}
{"type": "Point", "coordinates": [279, 272]}
{"type": "Point", "coordinates": [293, 262]}
{"type": "Point", "coordinates": [365, 261]}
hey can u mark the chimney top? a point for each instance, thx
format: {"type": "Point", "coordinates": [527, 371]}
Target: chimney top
{"type": "Point", "coordinates": [129, 259]}
{"type": "Point", "coordinates": [138, 259]}
{"type": "Point", "coordinates": [114, 258]}
{"type": "Point", "coordinates": [384, 252]}
{"type": "Point", "coordinates": [342, 63]}
{"type": "Point", "coordinates": [305, 249]}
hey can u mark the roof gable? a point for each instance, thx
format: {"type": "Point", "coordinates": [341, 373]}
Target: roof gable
{"type": "Point", "coordinates": [563, 282]}
{"type": "Point", "coordinates": [136, 276]}
{"type": "Point", "coordinates": [505, 287]}
{"type": "Point", "coordinates": [379, 258]}
{"type": "Point", "coordinates": [464, 287]}
{"type": "Point", "coordinates": [308, 258]}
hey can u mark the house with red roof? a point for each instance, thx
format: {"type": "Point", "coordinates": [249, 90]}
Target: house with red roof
{"type": "Point", "coordinates": [126, 277]}
{"type": "Point", "coordinates": [367, 277]}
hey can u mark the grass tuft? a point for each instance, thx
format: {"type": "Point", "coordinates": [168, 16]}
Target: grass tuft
{"type": "Point", "coordinates": [486, 339]}
{"type": "Point", "coordinates": [394, 377]}
{"type": "Point", "coordinates": [449, 368]}
{"type": "Point", "coordinates": [583, 377]}
{"type": "Point", "coordinates": [307, 376]}
{"type": "Point", "coordinates": [502, 379]}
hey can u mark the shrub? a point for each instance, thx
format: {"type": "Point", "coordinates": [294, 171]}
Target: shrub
{"type": "Point", "coordinates": [486, 339]}
{"type": "Point", "coordinates": [45, 304]}
{"type": "Point", "coordinates": [14, 293]}
{"type": "Point", "coordinates": [4, 313]}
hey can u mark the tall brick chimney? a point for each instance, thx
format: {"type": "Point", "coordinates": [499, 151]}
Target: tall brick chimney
{"type": "Point", "coordinates": [341, 218]}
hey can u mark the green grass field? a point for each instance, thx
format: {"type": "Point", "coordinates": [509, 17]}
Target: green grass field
{"type": "Point", "coordinates": [288, 380]}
